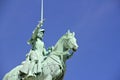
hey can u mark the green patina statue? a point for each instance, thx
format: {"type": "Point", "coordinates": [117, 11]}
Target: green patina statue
{"type": "Point", "coordinates": [42, 64]}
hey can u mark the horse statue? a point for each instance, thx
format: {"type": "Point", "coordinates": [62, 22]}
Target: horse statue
{"type": "Point", "coordinates": [53, 65]}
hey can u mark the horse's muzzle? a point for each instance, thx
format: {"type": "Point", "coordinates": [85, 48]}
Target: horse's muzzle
{"type": "Point", "coordinates": [75, 49]}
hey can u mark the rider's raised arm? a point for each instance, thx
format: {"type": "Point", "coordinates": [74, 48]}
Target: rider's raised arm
{"type": "Point", "coordinates": [35, 32]}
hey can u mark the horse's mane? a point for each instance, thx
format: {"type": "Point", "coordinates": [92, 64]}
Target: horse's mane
{"type": "Point", "coordinates": [63, 38]}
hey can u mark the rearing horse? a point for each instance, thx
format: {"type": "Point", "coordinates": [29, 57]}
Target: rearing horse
{"type": "Point", "coordinates": [53, 67]}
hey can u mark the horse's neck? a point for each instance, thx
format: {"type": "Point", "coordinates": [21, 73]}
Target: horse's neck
{"type": "Point", "coordinates": [60, 51]}
{"type": "Point", "coordinates": [59, 47]}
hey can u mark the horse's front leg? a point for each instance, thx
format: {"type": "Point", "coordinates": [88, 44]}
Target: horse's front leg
{"type": "Point", "coordinates": [47, 73]}
{"type": "Point", "coordinates": [48, 77]}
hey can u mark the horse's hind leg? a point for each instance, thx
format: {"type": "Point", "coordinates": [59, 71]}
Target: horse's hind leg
{"type": "Point", "coordinates": [49, 77]}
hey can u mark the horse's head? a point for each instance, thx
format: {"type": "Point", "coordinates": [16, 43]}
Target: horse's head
{"type": "Point", "coordinates": [70, 41]}
{"type": "Point", "coordinates": [65, 46]}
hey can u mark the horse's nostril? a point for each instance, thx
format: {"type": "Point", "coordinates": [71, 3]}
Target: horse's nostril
{"type": "Point", "coordinates": [74, 49]}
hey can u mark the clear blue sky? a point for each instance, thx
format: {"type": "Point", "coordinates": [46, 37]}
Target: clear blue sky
{"type": "Point", "coordinates": [95, 22]}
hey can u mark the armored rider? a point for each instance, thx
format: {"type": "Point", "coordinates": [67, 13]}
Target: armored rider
{"type": "Point", "coordinates": [33, 63]}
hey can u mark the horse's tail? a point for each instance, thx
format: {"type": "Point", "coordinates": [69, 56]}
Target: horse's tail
{"type": "Point", "coordinates": [5, 77]}
{"type": "Point", "coordinates": [13, 74]}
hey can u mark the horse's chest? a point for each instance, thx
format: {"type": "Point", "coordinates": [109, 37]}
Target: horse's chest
{"type": "Point", "coordinates": [52, 68]}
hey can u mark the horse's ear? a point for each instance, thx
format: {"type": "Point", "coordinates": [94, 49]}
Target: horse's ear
{"type": "Point", "coordinates": [68, 31]}
{"type": "Point", "coordinates": [73, 33]}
